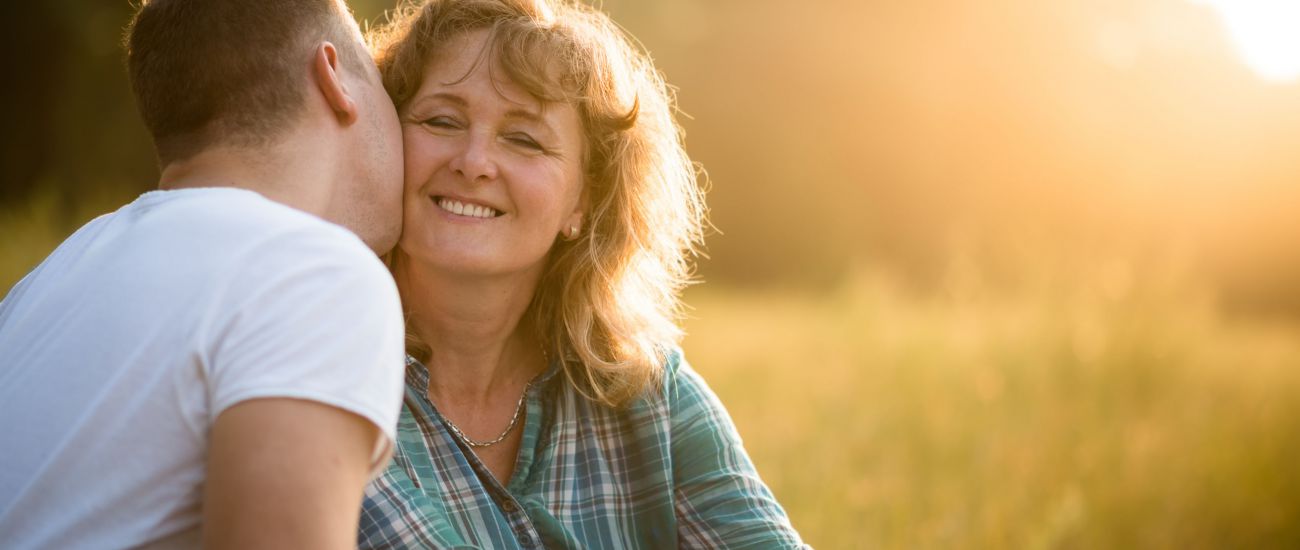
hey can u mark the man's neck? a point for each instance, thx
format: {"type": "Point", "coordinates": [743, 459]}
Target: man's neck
{"type": "Point", "coordinates": [277, 174]}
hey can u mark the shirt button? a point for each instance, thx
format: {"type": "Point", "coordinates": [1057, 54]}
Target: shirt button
{"type": "Point", "coordinates": [508, 506]}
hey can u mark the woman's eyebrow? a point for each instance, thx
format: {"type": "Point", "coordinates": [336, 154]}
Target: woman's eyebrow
{"type": "Point", "coordinates": [448, 97]}
{"type": "Point", "coordinates": [530, 116]}
{"type": "Point", "coordinates": [525, 114]}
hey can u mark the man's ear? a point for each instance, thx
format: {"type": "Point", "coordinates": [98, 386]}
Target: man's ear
{"type": "Point", "coordinates": [327, 70]}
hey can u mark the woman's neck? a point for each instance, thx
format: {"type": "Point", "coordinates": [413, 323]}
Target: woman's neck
{"type": "Point", "coordinates": [482, 347]}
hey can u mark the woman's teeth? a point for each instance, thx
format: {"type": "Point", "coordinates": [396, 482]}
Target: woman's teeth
{"type": "Point", "coordinates": [462, 209]}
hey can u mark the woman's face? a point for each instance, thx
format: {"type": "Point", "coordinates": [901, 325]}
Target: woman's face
{"type": "Point", "coordinates": [493, 176]}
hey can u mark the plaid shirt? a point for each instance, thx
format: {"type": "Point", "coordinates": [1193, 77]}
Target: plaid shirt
{"type": "Point", "coordinates": [667, 471]}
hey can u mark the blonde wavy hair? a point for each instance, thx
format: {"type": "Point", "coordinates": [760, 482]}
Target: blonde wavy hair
{"type": "Point", "coordinates": [609, 301]}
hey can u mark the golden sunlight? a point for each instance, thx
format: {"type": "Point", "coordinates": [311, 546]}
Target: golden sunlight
{"type": "Point", "coordinates": [1265, 34]}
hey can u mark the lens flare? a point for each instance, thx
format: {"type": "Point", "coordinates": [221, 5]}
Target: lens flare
{"type": "Point", "coordinates": [1265, 34]}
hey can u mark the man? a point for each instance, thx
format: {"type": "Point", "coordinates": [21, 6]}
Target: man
{"type": "Point", "coordinates": [219, 361]}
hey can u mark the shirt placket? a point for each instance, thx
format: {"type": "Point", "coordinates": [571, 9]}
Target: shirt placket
{"type": "Point", "coordinates": [520, 525]}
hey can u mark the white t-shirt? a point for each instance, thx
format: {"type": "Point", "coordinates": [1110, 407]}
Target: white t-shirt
{"type": "Point", "coordinates": [118, 352]}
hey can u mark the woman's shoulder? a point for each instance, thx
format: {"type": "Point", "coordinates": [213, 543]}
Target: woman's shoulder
{"type": "Point", "coordinates": [674, 374]}
{"type": "Point", "coordinates": [679, 394]}
{"type": "Point", "coordinates": [690, 409]}
{"type": "Point", "coordinates": [679, 378]}
{"type": "Point", "coordinates": [683, 392]}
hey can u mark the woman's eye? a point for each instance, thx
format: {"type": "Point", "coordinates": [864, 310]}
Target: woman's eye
{"type": "Point", "coordinates": [524, 140]}
{"type": "Point", "coordinates": [440, 122]}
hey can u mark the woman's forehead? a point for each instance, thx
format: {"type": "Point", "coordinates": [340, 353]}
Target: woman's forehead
{"type": "Point", "coordinates": [528, 74]}
{"type": "Point", "coordinates": [478, 85]}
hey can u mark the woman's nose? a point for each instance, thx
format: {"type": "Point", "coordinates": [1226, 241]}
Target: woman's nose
{"type": "Point", "coordinates": [474, 161]}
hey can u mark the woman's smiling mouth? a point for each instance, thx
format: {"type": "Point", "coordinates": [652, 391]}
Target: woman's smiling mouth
{"type": "Point", "coordinates": [467, 209]}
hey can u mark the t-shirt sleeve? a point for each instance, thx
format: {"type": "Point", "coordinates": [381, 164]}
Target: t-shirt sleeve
{"type": "Point", "coordinates": [720, 501]}
{"type": "Point", "coordinates": [313, 317]}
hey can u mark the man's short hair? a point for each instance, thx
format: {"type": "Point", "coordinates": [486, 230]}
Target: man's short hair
{"type": "Point", "coordinates": [229, 72]}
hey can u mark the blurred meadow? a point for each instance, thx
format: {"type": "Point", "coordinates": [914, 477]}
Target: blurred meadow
{"type": "Point", "coordinates": [1000, 274]}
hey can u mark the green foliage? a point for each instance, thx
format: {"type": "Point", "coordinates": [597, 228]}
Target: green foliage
{"type": "Point", "coordinates": [1086, 414]}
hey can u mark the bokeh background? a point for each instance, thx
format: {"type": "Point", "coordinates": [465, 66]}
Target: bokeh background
{"type": "Point", "coordinates": [998, 274]}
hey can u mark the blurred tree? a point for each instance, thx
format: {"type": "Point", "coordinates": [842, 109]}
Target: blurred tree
{"type": "Point", "coordinates": [32, 51]}
{"type": "Point", "coordinates": [838, 133]}
{"type": "Point", "coordinates": [70, 124]}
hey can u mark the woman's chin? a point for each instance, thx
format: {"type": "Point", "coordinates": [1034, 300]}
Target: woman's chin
{"type": "Point", "coordinates": [466, 263]}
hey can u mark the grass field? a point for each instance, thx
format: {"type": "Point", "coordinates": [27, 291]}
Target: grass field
{"type": "Point", "coordinates": [1107, 409]}
{"type": "Point", "coordinates": [1081, 415]}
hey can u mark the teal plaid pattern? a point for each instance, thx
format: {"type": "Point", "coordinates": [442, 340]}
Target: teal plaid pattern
{"type": "Point", "coordinates": [668, 471]}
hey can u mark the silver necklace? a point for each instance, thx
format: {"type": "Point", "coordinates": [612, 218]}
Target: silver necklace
{"type": "Point", "coordinates": [514, 419]}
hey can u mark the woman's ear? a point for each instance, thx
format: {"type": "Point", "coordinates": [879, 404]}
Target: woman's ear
{"type": "Point", "coordinates": [573, 228]}
{"type": "Point", "coordinates": [327, 70]}
{"type": "Point", "coordinates": [577, 218]}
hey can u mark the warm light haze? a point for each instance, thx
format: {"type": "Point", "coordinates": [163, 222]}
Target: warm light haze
{"type": "Point", "coordinates": [987, 274]}
{"type": "Point", "coordinates": [1266, 33]}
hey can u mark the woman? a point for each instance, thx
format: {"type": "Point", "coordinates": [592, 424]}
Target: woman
{"type": "Point", "coordinates": [549, 214]}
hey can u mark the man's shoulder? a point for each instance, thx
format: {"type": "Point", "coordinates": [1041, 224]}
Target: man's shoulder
{"type": "Point", "coordinates": [246, 227]}
{"type": "Point", "coordinates": [236, 213]}
{"type": "Point", "coordinates": [235, 247]}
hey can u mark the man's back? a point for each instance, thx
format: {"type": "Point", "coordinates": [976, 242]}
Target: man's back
{"type": "Point", "coordinates": [120, 350]}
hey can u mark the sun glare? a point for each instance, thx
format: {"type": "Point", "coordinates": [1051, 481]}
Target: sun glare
{"type": "Point", "coordinates": [1266, 34]}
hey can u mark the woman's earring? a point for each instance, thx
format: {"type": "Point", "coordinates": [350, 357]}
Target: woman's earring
{"type": "Point", "coordinates": [573, 232]}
